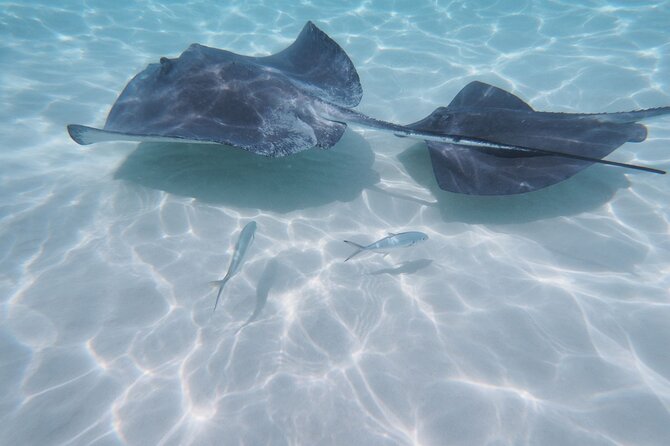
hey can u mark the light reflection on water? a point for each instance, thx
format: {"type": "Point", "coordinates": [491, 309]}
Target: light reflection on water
{"type": "Point", "coordinates": [538, 319]}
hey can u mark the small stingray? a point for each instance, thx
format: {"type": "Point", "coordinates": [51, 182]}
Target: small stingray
{"type": "Point", "coordinates": [484, 111]}
{"type": "Point", "coordinates": [277, 105]}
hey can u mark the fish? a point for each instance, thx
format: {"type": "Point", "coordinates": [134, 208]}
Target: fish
{"type": "Point", "coordinates": [245, 240]}
{"type": "Point", "coordinates": [294, 100]}
{"type": "Point", "coordinates": [491, 113]}
{"type": "Point", "coordinates": [390, 242]}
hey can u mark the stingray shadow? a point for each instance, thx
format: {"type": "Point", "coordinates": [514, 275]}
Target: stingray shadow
{"type": "Point", "coordinates": [233, 177]}
{"type": "Point", "coordinates": [409, 267]}
{"type": "Point", "coordinates": [585, 191]}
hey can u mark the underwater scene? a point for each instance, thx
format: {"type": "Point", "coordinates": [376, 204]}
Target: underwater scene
{"type": "Point", "coordinates": [335, 222]}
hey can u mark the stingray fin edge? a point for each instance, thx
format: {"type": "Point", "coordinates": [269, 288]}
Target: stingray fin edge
{"type": "Point", "coordinates": [85, 135]}
{"type": "Point", "coordinates": [483, 95]}
{"type": "Point", "coordinates": [82, 134]}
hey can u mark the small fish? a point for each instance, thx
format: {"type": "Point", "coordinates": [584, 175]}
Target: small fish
{"type": "Point", "coordinates": [393, 241]}
{"type": "Point", "coordinates": [243, 243]}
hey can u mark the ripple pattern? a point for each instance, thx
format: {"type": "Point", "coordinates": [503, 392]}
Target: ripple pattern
{"type": "Point", "coordinates": [533, 319]}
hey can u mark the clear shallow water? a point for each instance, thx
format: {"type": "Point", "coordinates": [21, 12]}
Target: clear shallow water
{"type": "Point", "coordinates": [535, 319]}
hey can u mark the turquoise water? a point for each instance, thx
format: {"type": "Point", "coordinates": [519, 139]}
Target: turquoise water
{"type": "Point", "coordinates": [535, 319]}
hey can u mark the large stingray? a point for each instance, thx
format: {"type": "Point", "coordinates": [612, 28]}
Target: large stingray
{"type": "Point", "coordinates": [493, 114]}
{"type": "Point", "coordinates": [281, 104]}
{"type": "Point", "coordinates": [277, 105]}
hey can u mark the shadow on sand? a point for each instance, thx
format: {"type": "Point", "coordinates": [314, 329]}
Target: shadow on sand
{"type": "Point", "coordinates": [409, 267]}
{"type": "Point", "coordinates": [585, 191]}
{"type": "Point", "coordinates": [228, 176]}
{"type": "Point", "coordinates": [265, 284]}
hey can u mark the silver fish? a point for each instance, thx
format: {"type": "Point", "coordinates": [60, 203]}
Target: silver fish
{"type": "Point", "coordinates": [393, 241]}
{"type": "Point", "coordinates": [243, 243]}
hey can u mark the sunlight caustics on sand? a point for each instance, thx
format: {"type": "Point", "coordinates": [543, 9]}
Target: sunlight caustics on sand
{"type": "Point", "coordinates": [533, 319]}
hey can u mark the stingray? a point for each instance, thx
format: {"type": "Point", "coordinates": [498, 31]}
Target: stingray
{"type": "Point", "coordinates": [493, 114]}
{"type": "Point", "coordinates": [277, 105]}
{"type": "Point", "coordinates": [297, 99]}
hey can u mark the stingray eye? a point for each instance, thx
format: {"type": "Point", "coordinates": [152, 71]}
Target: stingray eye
{"type": "Point", "coordinates": [166, 65]}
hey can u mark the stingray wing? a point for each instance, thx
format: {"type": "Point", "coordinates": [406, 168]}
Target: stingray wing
{"type": "Point", "coordinates": [316, 63]}
{"type": "Point", "coordinates": [267, 105]}
{"type": "Point", "coordinates": [483, 111]}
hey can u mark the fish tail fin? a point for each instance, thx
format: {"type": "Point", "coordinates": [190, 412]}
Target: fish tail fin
{"type": "Point", "coordinates": [218, 283]}
{"type": "Point", "coordinates": [359, 249]}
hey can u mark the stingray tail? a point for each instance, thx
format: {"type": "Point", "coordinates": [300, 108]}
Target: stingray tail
{"type": "Point", "coordinates": [429, 130]}
{"type": "Point", "coordinates": [359, 249]}
{"type": "Point", "coordinates": [219, 283]}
